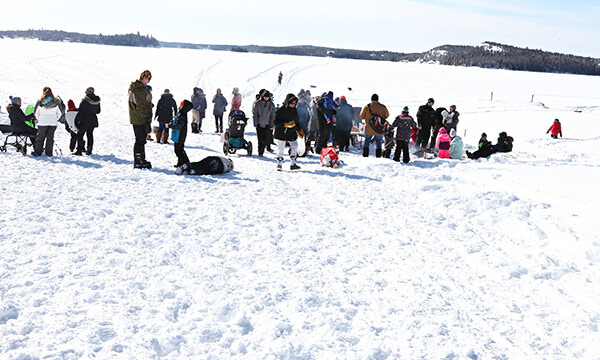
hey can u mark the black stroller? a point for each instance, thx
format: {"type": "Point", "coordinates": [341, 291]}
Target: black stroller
{"type": "Point", "coordinates": [234, 135]}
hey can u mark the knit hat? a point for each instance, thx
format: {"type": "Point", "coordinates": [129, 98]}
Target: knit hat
{"type": "Point", "coordinates": [146, 75]}
{"type": "Point", "coordinates": [374, 97]}
{"type": "Point", "coordinates": [430, 100]}
{"type": "Point", "coordinates": [483, 134]}
{"type": "Point", "coordinates": [342, 97]}
{"type": "Point", "coordinates": [452, 133]}
{"type": "Point", "coordinates": [71, 105]}
{"type": "Point", "coordinates": [167, 91]}
{"type": "Point", "coordinates": [89, 90]}
{"type": "Point", "coordinates": [556, 120]}
{"type": "Point", "coordinates": [15, 100]}
{"type": "Point", "coordinates": [405, 110]}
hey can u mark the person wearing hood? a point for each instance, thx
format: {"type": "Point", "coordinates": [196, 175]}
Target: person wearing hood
{"type": "Point", "coordinates": [325, 117]}
{"type": "Point", "coordinates": [343, 125]}
{"type": "Point", "coordinates": [179, 137]}
{"type": "Point", "coordinates": [263, 117]}
{"type": "Point", "coordinates": [456, 146]}
{"type": "Point", "coordinates": [86, 120]}
{"type": "Point", "coordinates": [236, 102]}
{"type": "Point", "coordinates": [377, 109]}
{"type": "Point", "coordinates": [48, 110]}
{"type": "Point", "coordinates": [220, 107]}
{"type": "Point", "coordinates": [70, 124]}
{"type": "Point", "coordinates": [166, 108]}
{"type": "Point", "coordinates": [403, 124]}
{"type": "Point", "coordinates": [443, 144]}
{"type": "Point", "coordinates": [20, 124]}
{"type": "Point", "coordinates": [140, 113]}
{"type": "Point", "coordinates": [287, 129]}
{"type": "Point", "coordinates": [199, 109]}
{"type": "Point", "coordinates": [556, 129]}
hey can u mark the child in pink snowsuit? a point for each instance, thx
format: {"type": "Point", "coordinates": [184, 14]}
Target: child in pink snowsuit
{"type": "Point", "coordinates": [443, 144]}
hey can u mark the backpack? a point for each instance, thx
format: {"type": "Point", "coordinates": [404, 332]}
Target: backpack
{"type": "Point", "coordinates": [329, 157]}
{"type": "Point", "coordinates": [377, 123]}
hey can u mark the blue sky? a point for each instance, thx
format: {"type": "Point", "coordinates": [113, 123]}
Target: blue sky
{"type": "Point", "coordinates": [395, 25]}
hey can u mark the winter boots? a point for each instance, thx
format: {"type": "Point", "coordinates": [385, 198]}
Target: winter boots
{"type": "Point", "coordinates": [165, 137]}
{"type": "Point", "coordinates": [79, 152]}
{"type": "Point", "coordinates": [140, 162]}
{"type": "Point", "coordinates": [366, 151]}
{"type": "Point", "coordinates": [279, 164]}
{"type": "Point", "coordinates": [158, 137]}
{"type": "Point", "coordinates": [294, 167]}
{"type": "Point", "coordinates": [195, 129]}
{"type": "Point", "coordinates": [183, 169]}
{"type": "Point", "coordinates": [387, 153]}
{"type": "Point", "coordinates": [378, 153]}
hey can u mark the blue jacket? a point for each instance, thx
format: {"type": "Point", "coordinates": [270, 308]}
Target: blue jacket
{"type": "Point", "coordinates": [456, 148]}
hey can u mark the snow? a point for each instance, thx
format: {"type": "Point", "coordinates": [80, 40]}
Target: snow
{"type": "Point", "coordinates": [497, 258]}
{"type": "Point", "coordinates": [490, 47]}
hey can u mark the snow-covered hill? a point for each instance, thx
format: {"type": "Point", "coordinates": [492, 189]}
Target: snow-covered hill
{"type": "Point", "coordinates": [491, 259]}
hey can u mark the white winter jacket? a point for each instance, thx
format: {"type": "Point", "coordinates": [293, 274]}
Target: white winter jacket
{"type": "Point", "coordinates": [48, 114]}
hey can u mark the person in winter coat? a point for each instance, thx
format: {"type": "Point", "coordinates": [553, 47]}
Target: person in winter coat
{"type": "Point", "coordinates": [378, 109]}
{"type": "Point", "coordinates": [287, 129]}
{"type": "Point", "coordinates": [166, 109]}
{"type": "Point", "coordinates": [456, 146]}
{"type": "Point", "coordinates": [149, 123]}
{"type": "Point", "coordinates": [236, 102]}
{"type": "Point", "coordinates": [483, 141]}
{"type": "Point", "coordinates": [87, 120]}
{"type": "Point", "coordinates": [140, 113]}
{"type": "Point", "coordinates": [443, 144]}
{"type": "Point", "coordinates": [220, 107]}
{"type": "Point", "coordinates": [179, 141]}
{"type": "Point", "coordinates": [303, 118]}
{"type": "Point", "coordinates": [210, 165]}
{"type": "Point", "coordinates": [451, 119]}
{"type": "Point", "coordinates": [70, 124]}
{"type": "Point", "coordinates": [324, 125]}
{"type": "Point", "coordinates": [504, 144]}
{"type": "Point", "coordinates": [199, 109]}
{"type": "Point", "coordinates": [403, 124]}
{"type": "Point", "coordinates": [279, 78]}
{"type": "Point", "coordinates": [343, 126]}
{"type": "Point", "coordinates": [20, 124]}
{"type": "Point", "coordinates": [48, 110]}
{"type": "Point", "coordinates": [425, 120]}
{"type": "Point", "coordinates": [556, 129]}
{"type": "Point", "coordinates": [440, 114]}
{"type": "Point", "coordinates": [263, 117]}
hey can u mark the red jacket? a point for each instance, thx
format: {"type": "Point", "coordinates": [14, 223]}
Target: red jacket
{"type": "Point", "coordinates": [555, 129]}
{"type": "Point", "coordinates": [236, 102]}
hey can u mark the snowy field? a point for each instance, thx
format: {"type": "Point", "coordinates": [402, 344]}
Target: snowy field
{"type": "Point", "coordinates": [497, 258]}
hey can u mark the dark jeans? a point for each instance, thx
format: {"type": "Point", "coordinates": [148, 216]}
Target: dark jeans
{"type": "Point", "coordinates": [162, 127]}
{"type": "Point", "coordinates": [182, 157]}
{"type": "Point", "coordinates": [264, 139]}
{"type": "Point", "coordinates": [45, 134]}
{"type": "Point", "coordinates": [322, 139]}
{"type": "Point", "coordinates": [139, 152]}
{"type": "Point", "coordinates": [423, 138]}
{"type": "Point", "coordinates": [73, 142]}
{"type": "Point", "coordinates": [90, 138]}
{"type": "Point", "coordinates": [219, 122]}
{"type": "Point", "coordinates": [402, 146]}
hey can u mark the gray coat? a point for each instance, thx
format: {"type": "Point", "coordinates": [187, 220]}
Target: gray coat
{"type": "Point", "coordinates": [263, 113]}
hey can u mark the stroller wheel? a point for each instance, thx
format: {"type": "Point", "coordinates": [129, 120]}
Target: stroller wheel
{"type": "Point", "coordinates": [226, 148]}
{"type": "Point", "coordinates": [249, 148]}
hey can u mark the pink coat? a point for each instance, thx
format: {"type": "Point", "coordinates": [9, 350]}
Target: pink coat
{"type": "Point", "coordinates": [443, 144]}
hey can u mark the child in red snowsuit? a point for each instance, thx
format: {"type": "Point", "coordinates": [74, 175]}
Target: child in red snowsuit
{"type": "Point", "coordinates": [555, 129]}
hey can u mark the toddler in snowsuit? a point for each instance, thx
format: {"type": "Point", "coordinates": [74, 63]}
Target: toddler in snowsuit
{"type": "Point", "coordinates": [555, 129]}
{"type": "Point", "coordinates": [443, 144]}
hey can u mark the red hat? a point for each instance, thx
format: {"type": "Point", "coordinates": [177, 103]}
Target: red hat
{"type": "Point", "coordinates": [71, 105]}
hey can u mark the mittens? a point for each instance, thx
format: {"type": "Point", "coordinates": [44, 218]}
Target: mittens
{"type": "Point", "coordinates": [301, 133]}
{"type": "Point", "coordinates": [290, 124]}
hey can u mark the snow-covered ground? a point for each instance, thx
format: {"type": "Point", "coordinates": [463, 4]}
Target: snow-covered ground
{"type": "Point", "coordinates": [497, 258]}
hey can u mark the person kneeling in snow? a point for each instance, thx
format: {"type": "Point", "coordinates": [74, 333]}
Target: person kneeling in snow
{"type": "Point", "coordinates": [456, 146]}
{"type": "Point", "coordinates": [555, 129]}
{"type": "Point", "coordinates": [210, 165]}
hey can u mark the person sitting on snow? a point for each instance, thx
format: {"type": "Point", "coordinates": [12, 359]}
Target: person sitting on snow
{"type": "Point", "coordinates": [456, 146]}
{"type": "Point", "coordinates": [555, 129]}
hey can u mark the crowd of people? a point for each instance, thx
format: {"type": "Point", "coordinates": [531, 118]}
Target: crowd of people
{"type": "Point", "coordinates": [317, 121]}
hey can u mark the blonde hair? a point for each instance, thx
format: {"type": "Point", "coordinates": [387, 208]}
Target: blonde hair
{"type": "Point", "coordinates": [46, 93]}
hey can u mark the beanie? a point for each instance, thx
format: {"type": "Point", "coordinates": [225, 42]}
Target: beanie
{"type": "Point", "coordinates": [89, 90]}
{"type": "Point", "coordinates": [405, 110]}
{"type": "Point", "coordinates": [146, 75]}
{"type": "Point", "coordinates": [483, 134]}
{"type": "Point", "coordinates": [167, 91]}
{"type": "Point", "coordinates": [374, 97]}
{"type": "Point", "coordinates": [15, 100]}
{"type": "Point", "coordinates": [430, 100]}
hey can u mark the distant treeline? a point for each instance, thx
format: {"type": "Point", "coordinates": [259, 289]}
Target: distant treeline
{"type": "Point", "coordinates": [55, 35]}
{"type": "Point", "coordinates": [487, 55]}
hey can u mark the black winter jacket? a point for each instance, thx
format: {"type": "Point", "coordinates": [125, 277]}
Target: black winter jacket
{"type": "Point", "coordinates": [18, 119]}
{"type": "Point", "coordinates": [166, 108]}
{"type": "Point", "coordinates": [426, 116]}
{"type": "Point", "coordinates": [88, 109]}
{"type": "Point", "coordinates": [286, 124]}
{"type": "Point", "coordinates": [344, 117]}
{"type": "Point", "coordinates": [321, 112]}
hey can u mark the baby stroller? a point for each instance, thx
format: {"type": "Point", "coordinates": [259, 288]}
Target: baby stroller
{"type": "Point", "coordinates": [234, 135]}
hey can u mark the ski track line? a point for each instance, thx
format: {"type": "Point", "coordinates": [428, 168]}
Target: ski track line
{"type": "Point", "coordinates": [204, 73]}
